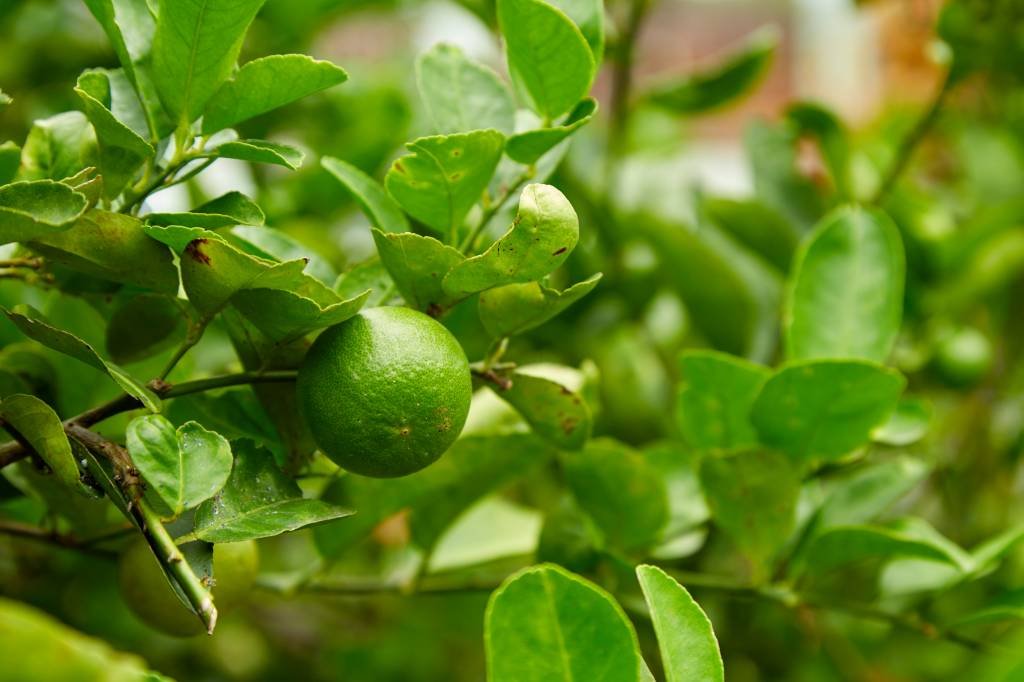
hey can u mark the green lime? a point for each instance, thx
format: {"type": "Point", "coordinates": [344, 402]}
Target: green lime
{"type": "Point", "coordinates": [386, 392]}
{"type": "Point", "coordinates": [963, 357]}
{"type": "Point", "coordinates": [146, 591]}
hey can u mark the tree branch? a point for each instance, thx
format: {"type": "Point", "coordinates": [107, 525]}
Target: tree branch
{"type": "Point", "coordinates": [51, 537]}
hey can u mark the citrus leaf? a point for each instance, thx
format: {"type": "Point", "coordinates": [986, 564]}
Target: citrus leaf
{"type": "Point", "coordinates": [863, 495]}
{"type": "Point", "coordinates": [265, 84]}
{"type": "Point", "coordinates": [528, 147]}
{"type": "Point", "coordinates": [553, 411]}
{"type": "Point", "coordinates": [212, 271]}
{"type": "Point", "coordinates": [57, 147]}
{"type": "Point", "coordinates": [260, 151]}
{"type": "Point", "coordinates": [370, 275]}
{"type": "Point", "coordinates": [516, 308]}
{"type": "Point", "coordinates": [266, 242]}
{"type": "Point", "coordinates": [39, 426]}
{"type": "Point", "coordinates": [381, 209]}
{"type": "Point", "coordinates": [757, 226]}
{"type": "Point", "coordinates": [418, 265]}
{"type": "Point", "coordinates": [724, 84]}
{"type": "Point", "coordinates": [550, 61]}
{"type": "Point", "coordinates": [623, 494]}
{"type": "Point", "coordinates": [112, 246]}
{"type": "Point", "coordinates": [752, 495]}
{"type": "Point", "coordinates": [232, 208]}
{"type": "Point", "coordinates": [689, 649]}
{"type": "Point", "coordinates": [462, 95]}
{"type": "Point", "coordinates": [185, 466]}
{"type": "Point", "coordinates": [29, 210]}
{"type": "Point", "coordinates": [588, 15]}
{"type": "Point", "coordinates": [142, 326]}
{"type": "Point", "coordinates": [284, 315]}
{"type": "Point", "coordinates": [716, 393]}
{"type": "Point", "coordinates": [444, 177]}
{"type": "Point", "coordinates": [542, 236]}
{"type": "Point", "coordinates": [10, 159]}
{"type": "Point", "coordinates": [546, 624]}
{"type": "Point", "coordinates": [258, 501]}
{"type": "Point", "coordinates": [32, 324]}
{"type": "Point", "coordinates": [907, 424]}
{"type": "Point", "coordinates": [846, 298]}
{"type": "Point", "coordinates": [828, 131]}
{"type": "Point", "coordinates": [195, 47]}
{"type": "Point", "coordinates": [820, 410]}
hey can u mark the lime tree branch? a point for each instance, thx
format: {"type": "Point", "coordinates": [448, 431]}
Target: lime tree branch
{"type": "Point", "coordinates": [51, 537]}
{"type": "Point", "coordinates": [910, 143]}
{"type": "Point", "coordinates": [14, 451]}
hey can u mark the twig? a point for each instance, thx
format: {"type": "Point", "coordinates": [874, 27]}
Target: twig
{"type": "Point", "coordinates": [909, 143]}
{"type": "Point", "coordinates": [622, 82]}
{"type": "Point", "coordinates": [52, 537]}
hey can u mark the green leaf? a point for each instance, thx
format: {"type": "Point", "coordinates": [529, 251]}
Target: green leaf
{"type": "Point", "coordinates": [33, 325]}
{"type": "Point", "coordinates": [266, 242]}
{"type": "Point", "coordinates": [724, 84]}
{"type": "Point", "coordinates": [444, 177]}
{"type": "Point", "coordinates": [258, 501]}
{"type": "Point", "coordinates": [10, 159]}
{"type": "Point", "coordinates": [516, 308]}
{"type": "Point", "coordinates": [195, 48]}
{"type": "Point", "coordinates": [553, 411]}
{"type": "Point", "coordinates": [903, 538]}
{"type": "Point", "coordinates": [528, 147]}
{"type": "Point", "coordinates": [546, 624]}
{"type": "Point", "coordinates": [846, 298]}
{"type": "Point", "coordinates": [418, 265]}
{"type": "Point", "coordinates": [826, 128]}
{"type": "Point", "coordinates": [185, 466]}
{"type": "Point", "coordinates": [266, 84]}
{"type": "Point", "coordinates": [541, 238]}
{"type": "Point", "coordinates": [112, 246]}
{"type": "Point", "coordinates": [261, 151]}
{"type": "Point", "coordinates": [550, 61]}
{"type": "Point", "coordinates": [620, 490]}
{"type": "Point", "coordinates": [865, 494]}
{"type": "Point", "coordinates": [38, 425]}
{"type": "Point", "coordinates": [906, 425]}
{"type": "Point", "coordinates": [824, 409]}
{"type": "Point", "coordinates": [715, 396]}
{"type": "Point", "coordinates": [771, 149]}
{"type": "Point", "coordinates": [58, 147]}
{"type": "Point", "coordinates": [377, 205]}
{"type": "Point", "coordinates": [111, 106]}
{"type": "Point", "coordinates": [233, 208]}
{"type": "Point", "coordinates": [212, 271]}
{"type": "Point", "coordinates": [462, 95]}
{"type": "Point", "coordinates": [142, 326]}
{"type": "Point", "coordinates": [689, 649]}
{"type": "Point", "coordinates": [176, 237]}
{"type": "Point", "coordinates": [757, 226]}
{"type": "Point", "coordinates": [752, 495]}
{"type": "Point", "coordinates": [29, 210]}
{"type": "Point", "coordinates": [474, 467]}
{"type": "Point", "coordinates": [588, 15]}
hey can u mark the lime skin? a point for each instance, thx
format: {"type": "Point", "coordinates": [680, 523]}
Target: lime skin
{"type": "Point", "coordinates": [386, 392]}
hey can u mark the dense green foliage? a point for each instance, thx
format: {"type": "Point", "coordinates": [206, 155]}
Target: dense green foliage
{"type": "Point", "coordinates": [710, 437]}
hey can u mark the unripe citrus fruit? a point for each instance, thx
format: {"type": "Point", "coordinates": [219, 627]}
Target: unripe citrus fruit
{"type": "Point", "coordinates": [386, 392]}
{"type": "Point", "coordinates": [148, 595]}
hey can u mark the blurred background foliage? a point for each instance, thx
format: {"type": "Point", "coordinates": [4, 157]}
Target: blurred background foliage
{"type": "Point", "coordinates": [692, 212]}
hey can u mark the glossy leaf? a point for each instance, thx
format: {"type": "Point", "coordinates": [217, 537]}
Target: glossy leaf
{"type": "Point", "coordinates": [232, 208]}
{"type": "Point", "coordinates": [588, 15]}
{"type": "Point", "coordinates": [820, 410]}
{"type": "Point", "coordinates": [723, 85]}
{"type": "Point", "coordinates": [542, 236]}
{"type": "Point", "coordinates": [758, 226]}
{"type": "Point", "coordinates": [195, 47]}
{"type": "Point", "coordinates": [29, 210]}
{"type": "Point", "coordinates": [846, 298]}
{"type": "Point", "coordinates": [689, 649]}
{"type": "Point", "coordinates": [368, 275]}
{"type": "Point", "coordinates": [33, 325]}
{"type": "Point", "coordinates": [528, 147]}
{"type": "Point", "coordinates": [516, 308]}
{"type": "Point", "coordinates": [266, 242]}
{"type": "Point", "coordinates": [58, 147]}
{"type": "Point", "coordinates": [112, 246]}
{"type": "Point", "coordinates": [261, 151]}
{"type": "Point", "coordinates": [462, 95]}
{"type": "Point", "coordinates": [418, 266]}
{"type": "Point", "coordinates": [185, 466]}
{"type": "Point", "coordinates": [377, 205]}
{"type": "Point", "coordinates": [865, 494]}
{"type": "Point", "coordinates": [752, 495]}
{"type": "Point", "coordinates": [258, 501]}
{"type": "Point", "coordinates": [550, 61]}
{"type": "Point", "coordinates": [38, 425]}
{"type": "Point", "coordinates": [621, 492]}
{"type": "Point", "coordinates": [553, 411]}
{"type": "Point", "coordinates": [142, 326]}
{"type": "Point", "coordinates": [546, 624]}
{"type": "Point", "coordinates": [715, 396]}
{"type": "Point", "coordinates": [265, 84]}
{"type": "Point", "coordinates": [444, 177]}
{"type": "Point", "coordinates": [212, 271]}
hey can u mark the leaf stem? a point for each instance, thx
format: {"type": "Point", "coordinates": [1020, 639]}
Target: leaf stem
{"type": "Point", "coordinates": [910, 143]}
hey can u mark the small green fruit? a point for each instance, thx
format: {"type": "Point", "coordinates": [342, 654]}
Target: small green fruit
{"type": "Point", "coordinates": [386, 392]}
{"type": "Point", "coordinates": [149, 596]}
